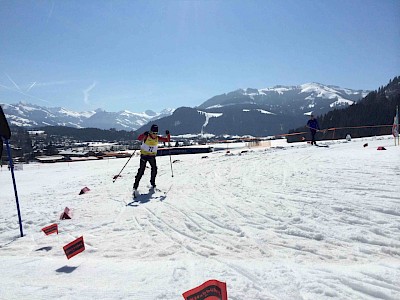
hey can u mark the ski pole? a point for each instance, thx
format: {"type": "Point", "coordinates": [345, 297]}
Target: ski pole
{"type": "Point", "coordinates": [11, 164]}
{"type": "Point", "coordinates": [116, 176]}
{"type": "Point", "coordinates": [169, 147]}
{"type": "Point", "coordinates": [170, 160]}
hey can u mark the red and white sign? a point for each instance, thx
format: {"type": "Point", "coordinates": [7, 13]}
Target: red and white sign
{"type": "Point", "coordinates": [84, 190]}
{"type": "Point", "coordinates": [53, 228]}
{"type": "Point", "coordinates": [74, 248]}
{"type": "Point", "coordinates": [66, 214]}
{"type": "Point", "coordinates": [209, 290]}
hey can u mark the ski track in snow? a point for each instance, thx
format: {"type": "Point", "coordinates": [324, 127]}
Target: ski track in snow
{"type": "Point", "coordinates": [293, 222]}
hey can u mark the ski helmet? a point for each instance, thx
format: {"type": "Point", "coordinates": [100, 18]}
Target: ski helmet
{"type": "Point", "coordinates": [154, 128]}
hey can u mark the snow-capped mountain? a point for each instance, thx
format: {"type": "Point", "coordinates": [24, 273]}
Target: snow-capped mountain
{"type": "Point", "coordinates": [259, 112]}
{"type": "Point", "coordinates": [30, 115]}
{"type": "Point", "coordinates": [304, 98]}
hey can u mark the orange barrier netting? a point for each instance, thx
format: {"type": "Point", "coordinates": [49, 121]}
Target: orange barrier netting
{"type": "Point", "coordinates": [335, 128]}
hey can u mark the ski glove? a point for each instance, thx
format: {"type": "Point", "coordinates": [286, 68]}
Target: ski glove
{"type": "Point", "coordinates": [146, 133]}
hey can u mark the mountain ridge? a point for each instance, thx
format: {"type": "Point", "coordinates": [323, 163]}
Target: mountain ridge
{"type": "Point", "coordinates": [312, 91]}
{"type": "Point", "coordinates": [249, 111]}
{"type": "Point", "coordinates": [31, 115]}
{"type": "Point", "coordinates": [259, 112]}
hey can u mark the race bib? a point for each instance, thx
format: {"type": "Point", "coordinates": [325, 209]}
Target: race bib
{"type": "Point", "coordinates": [149, 147]}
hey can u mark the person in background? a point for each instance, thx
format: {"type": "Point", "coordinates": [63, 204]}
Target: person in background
{"type": "Point", "coordinates": [314, 127]}
{"type": "Point", "coordinates": [148, 152]}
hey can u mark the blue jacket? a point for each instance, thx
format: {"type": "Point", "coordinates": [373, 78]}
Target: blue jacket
{"type": "Point", "coordinates": [313, 124]}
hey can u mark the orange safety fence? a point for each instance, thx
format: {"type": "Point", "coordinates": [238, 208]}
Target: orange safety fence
{"type": "Point", "coordinates": [335, 128]}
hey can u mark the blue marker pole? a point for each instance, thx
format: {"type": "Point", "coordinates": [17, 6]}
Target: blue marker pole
{"type": "Point", "coordinates": [15, 185]}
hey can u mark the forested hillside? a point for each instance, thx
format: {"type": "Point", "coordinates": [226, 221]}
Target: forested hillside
{"type": "Point", "coordinates": [89, 134]}
{"type": "Point", "coordinates": [373, 115]}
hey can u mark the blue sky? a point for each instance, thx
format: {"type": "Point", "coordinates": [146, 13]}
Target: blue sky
{"type": "Point", "coordinates": [140, 55]}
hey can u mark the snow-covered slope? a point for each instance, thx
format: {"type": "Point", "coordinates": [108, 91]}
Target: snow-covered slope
{"type": "Point", "coordinates": [290, 222]}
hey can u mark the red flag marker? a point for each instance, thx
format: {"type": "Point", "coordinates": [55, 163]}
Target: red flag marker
{"type": "Point", "coordinates": [209, 290]}
{"type": "Point", "coordinates": [74, 248]}
{"type": "Point", "coordinates": [66, 214]}
{"type": "Point", "coordinates": [84, 190]}
{"type": "Point", "coordinates": [50, 229]}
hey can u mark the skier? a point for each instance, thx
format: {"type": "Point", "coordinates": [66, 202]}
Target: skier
{"type": "Point", "coordinates": [314, 127]}
{"type": "Point", "coordinates": [148, 152]}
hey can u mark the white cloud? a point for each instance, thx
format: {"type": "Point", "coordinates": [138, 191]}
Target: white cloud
{"type": "Point", "coordinates": [31, 86]}
{"type": "Point", "coordinates": [22, 93]}
{"type": "Point", "coordinates": [53, 83]}
{"type": "Point", "coordinates": [86, 92]}
{"type": "Point", "coordinates": [8, 76]}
